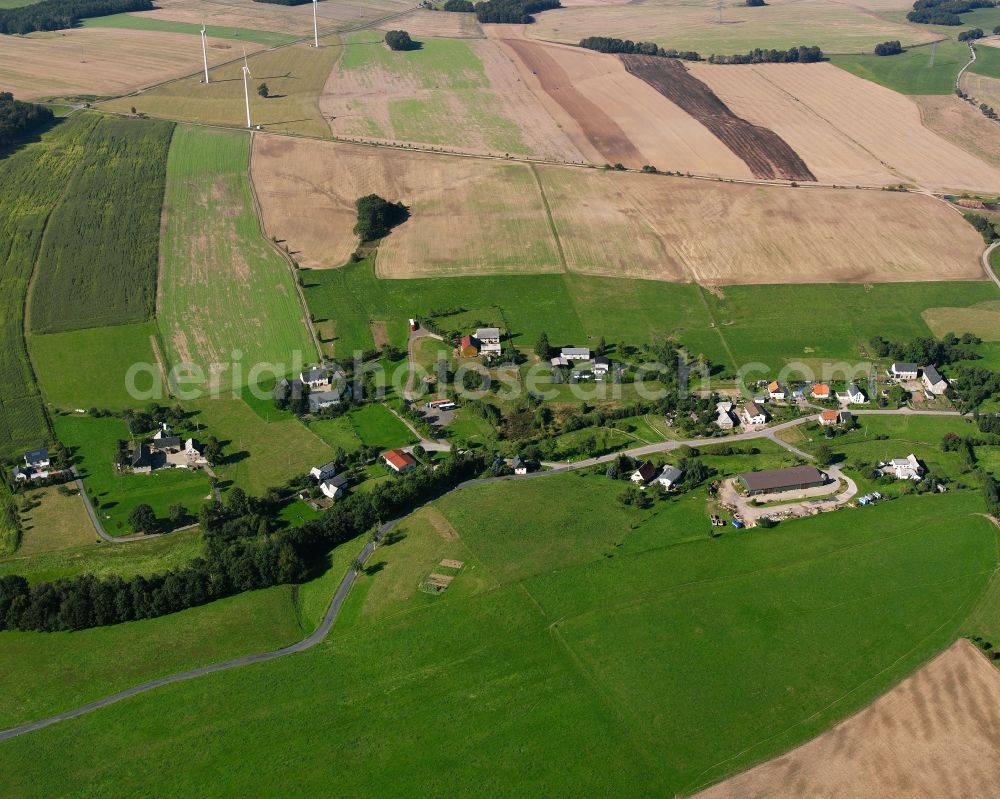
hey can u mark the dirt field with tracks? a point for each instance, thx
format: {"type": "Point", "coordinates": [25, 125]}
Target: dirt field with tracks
{"type": "Point", "coordinates": [612, 116]}
{"type": "Point", "coordinates": [848, 130]}
{"type": "Point", "coordinates": [766, 154]}
{"type": "Point", "coordinates": [102, 60]}
{"type": "Point", "coordinates": [482, 216]}
{"type": "Point", "coordinates": [935, 734]}
{"type": "Point", "coordinates": [435, 23]}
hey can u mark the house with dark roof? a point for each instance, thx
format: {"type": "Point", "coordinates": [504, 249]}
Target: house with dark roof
{"type": "Point", "coordinates": [774, 481]}
{"type": "Point", "coordinates": [37, 458]}
{"type": "Point", "coordinates": [644, 474]}
{"type": "Point", "coordinates": [322, 399]}
{"type": "Point", "coordinates": [324, 472]}
{"type": "Point", "coordinates": [754, 414]}
{"type": "Point", "coordinates": [852, 396]}
{"type": "Point", "coordinates": [902, 371]}
{"type": "Point", "coordinates": [934, 383]}
{"type": "Point", "coordinates": [335, 487]}
{"type": "Point", "coordinates": [669, 477]}
{"type": "Point", "coordinates": [489, 340]}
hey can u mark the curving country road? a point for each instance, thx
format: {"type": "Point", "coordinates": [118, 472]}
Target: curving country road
{"type": "Point", "coordinates": [988, 266]}
{"type": "Point", "coordinates": [348, 580]}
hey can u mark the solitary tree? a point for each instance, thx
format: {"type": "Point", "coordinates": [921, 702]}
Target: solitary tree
{"type": "Point", "coordinates": [824, 455]}
{"type": "Point", "coordinates": [263, 91]}
{"type": "Point", "coordinates": [400, 40]}
{"type": "Point", "coordinates": [142, 519]}
{"type": "Point", "coordinates": [178, 513]}
{"type": "Point", "coordinates": [542, 347]}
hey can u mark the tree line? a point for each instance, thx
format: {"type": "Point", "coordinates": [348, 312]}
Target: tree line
{"type": "Point", "coordinates": [18, 118]}
{"type": "Point", "coordinates": [802, 54]}
{"type": "Point", "coordinates": [944, 12]}
{"type": "Point", "coordinates": [512, 11]}
{"type": "Point", "coordinates": [51, 15]}
{"type": "Point", "coordinates": [244, 550]}
{"type": "Point", "coordinates": [889, 48]}
{"type": "Point", "coordinates": [928, 350]}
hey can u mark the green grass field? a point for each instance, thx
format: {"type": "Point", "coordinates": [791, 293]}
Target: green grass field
{"type": "Point", "coordinates": [56, 521]}
{"type": "Point", "coordinates": [92, 442]}
{"type": "Point", "coordinates": [579, 309]}
{"type": "Point", "coordinates": [577, 631]}
{"type": "Point", "coordinates": [376, 426]}
{"type": "Point", "coordinates": [33, 178]}
{"type": "Point", "coordinates": [223, 289]}
{"type": "Point", "coordinates": [451, 94]}
{"type": "Point", "coordinates": [988, 58]}
{"type": "Point", "coordinates": [295, 76]}
{"type": "Point", "coordinates": [99, 360]}
{"type": "Point", "coordinates": [339, 433]}
{"type": "Point", "coordinates": [109, 215]}
{"type": "Point", "coordinates": [131, 22]}
{"type": "Point", "coordinates": [929, 69]}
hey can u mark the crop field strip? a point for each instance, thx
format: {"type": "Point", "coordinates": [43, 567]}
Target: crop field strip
{"type": "Point", "coordinates": [34, 178]}
{"type": "Point", "coordinates": [99, 255]}
{"type": "Point", "coordinates": [223, 288]}
{"type": "Point", "coordinates": [764, 151]}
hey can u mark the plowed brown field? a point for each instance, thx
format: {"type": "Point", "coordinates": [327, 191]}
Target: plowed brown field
{"type": "Point", "coordinates": [936, 734]}
{"type": "Point", "coordinates": [487, 216]}
{"type": "Point", "coordinates": [763, 150]}
{"type": "Point", "coordinates": [847, 129]}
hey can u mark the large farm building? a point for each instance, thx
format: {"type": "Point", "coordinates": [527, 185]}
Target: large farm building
{"type": "Point", "coordinates": [773, 481]}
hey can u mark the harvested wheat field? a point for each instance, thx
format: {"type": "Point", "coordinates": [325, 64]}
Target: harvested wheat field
{"type": "Point", "coordinates": [962, 125]}
{"type": "Point", "coordinates": [848, 130]}
{"type": "Point", "coordinates": [483, 216]}
{"type": "Point", "coordinates": [612, 116]}
{"type": "Point", "coordinates": [462, 95]}
{"type": "Point", "coordinates": [101, 61]}
{"type": "Point", "coordinates": [278, 18]}
{"type": "Point", "coordinates": [721, 233]}
{"type": "Point", "coordinates": [766, 154]}
{"type": "Point", "coordinates": [469, 216]}
{"type": "Point", "coordinates": [422, 22]}
{"type": "Point", "coordinates": [936, 734]}
{"type": "Point", "coordinates": [984, 88]}
{"type": "Point", "coordinates": [835, 26]}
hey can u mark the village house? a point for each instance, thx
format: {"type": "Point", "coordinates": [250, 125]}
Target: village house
{"type": "Point", "coordinates": [315, 377]}
{"type": "Point", "coordinates": [907, 468]}
{"type": "Point", "coordinates": [189, 456]}
{"type": "Point", "coordinates": [754, 414]}
{"type": "Point", "coordinates": [774, 481]}
{"type": "Point", "coordinates": [468, 347]}
{"type": "Point", "coordinates": [520, 465]}
{"type": "Point", "coordinates": [776, 391]}
{"type": "Point", "coordinates": [644, 474]}
{"type": "Point", "coordinates": [903, 371]}
{"type": "Point", "coordinates": [400, 462]}
{"type": "Point", "coordinates": [820, 391]}
{"type": "Point", "coordinates": [934, 383]}
{"type": "Point", "coordinates": [324, 472]}
{"type": "Point", "coordinates": [36, 465]}
{"type": "Point", "coordinates": [827, 418]}
{"type": "Point", "coordinates": [322, 399]}
{"type": "Point", "coordinates": [489, 340]}
{"type": "Point", "coordinates": [669, 477]}
{"type": "Point", "coordinates": [334, 487]}
{"type": "Point", "coordinates": [559, 360]}
{"type": "Point", "coordinates": [724, 419]}
{"type": "Point", "coordinates": [852, 396]}
{"type": "Point", "coordinates": [575, 353]}
{"type": "Point", "coordinates": [601, 366]}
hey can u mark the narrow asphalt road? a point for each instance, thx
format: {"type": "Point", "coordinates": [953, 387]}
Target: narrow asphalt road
{"type": "Point", "coordinates": [348, 581]}
{"type": "Point", "coordinates": [988, 266]}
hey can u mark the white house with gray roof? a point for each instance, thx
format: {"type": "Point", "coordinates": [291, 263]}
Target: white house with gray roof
{"type": "Point", "coordinates": [933, 381]}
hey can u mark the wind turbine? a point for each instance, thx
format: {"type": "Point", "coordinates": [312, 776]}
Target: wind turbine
{"type": "Point", "coordinates": [246, 85]}
{"type": "Point", "coordinates": [204, 50]}
{"type": "Point", "coordinates": [315, 25]}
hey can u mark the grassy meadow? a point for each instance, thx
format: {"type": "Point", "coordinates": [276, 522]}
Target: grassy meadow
{"type": "Point", "coordinates": [100, 252]}
{"type": "Point", "coordinates": [223, 288]}
{"type": "Point", "coordinates": [928, 69]}
{"type": "Point", "coordinates": [132, 22]}
{"type": "Point", "coordinates": [577, 630]}
{"type": "Point", "coordinates": [295, 76]}
{"type": "Point", "coordinates": [33, 179]}
{"type": "Point", "coordinates": [57, 520]}
{"type": "Point", "coordinates": [377, 426]}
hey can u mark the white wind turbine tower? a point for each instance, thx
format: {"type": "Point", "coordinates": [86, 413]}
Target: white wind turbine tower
{"type": "Point", "coordinates": [204, 50]}
{"type": "Point", "coordinates": [315, 25]}
{"type": "Point", "coordinates": [246, 85]}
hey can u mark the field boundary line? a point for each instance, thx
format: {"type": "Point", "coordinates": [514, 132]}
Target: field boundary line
{"type": "Point", "coordinates": [285, 256]}
{"type": "Point", "coordinates": [548, 215]}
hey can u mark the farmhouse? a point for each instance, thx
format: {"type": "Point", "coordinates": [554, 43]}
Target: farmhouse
{"type": "Point", "coordinates": [575, 353]}
{"type": "Point", "coordinates": [468, 347]}
{"type": "Point", "coordinates": [852, 396]}
{"type": "Point", "coordinates": [754, 414]}
{"type": "Point", "coordinates": [907, 468]}
{"type": "Point", "coordinates": [322, 399]}
{"type": "Point", "coordinates": [903, 371]}
{"type": "Point", "coordinates": [324, 472]}
{"type": "Point", "coordinates": [334, 487]}
{"type": "Point", "coordinates": [489, 340]}
{"type": "Point", "coordinates": [827, 418]}
{"type": "Point", "coordinates": [669, 477]}
{"type": "Point", "coordinates": [139, 460]}
{"type": "Point", "coordinates": [601, 366]}
{"type": "Point", "coordinates": [820, 391]}
{"type": "Point", "coordinates": [399, 461]}
{"type": "Point", "coordinates": [36, 459]}
{"type": "Point", "coordinates": [776, 391]}
{"type": "Point", "coordinates": [772, 481]}
{"type": "Point", "coordinates": [725, 419]}
{"type": "Point", "coordinates": [933, 381]}
{"type": "Point", "coordinates": [644, 473]}
{"type": "Point", "coordinates": [189, 456]}
{"type": "Point", "coordinates": [315, 377]}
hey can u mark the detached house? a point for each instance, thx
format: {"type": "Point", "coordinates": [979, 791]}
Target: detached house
{"type": "Point", "coordinates": [575, 353]}
{"type": "Point", "coordinates": [820, 391]}
{"type": "Point", "coordinates": [315, 377]}
{"type": "Point", "coordinates": [933, 381]}
{"type": "Point", "coordinates": [903, 371]}
{"type": "Point", "coordinates": [400, 462]}
{"type": "Point", "coordinates": [36, 459]}
{"type": "Point", "coordinates": [725, 419]}
{"type": "Point", "coordinates": [827, 418]}
{"type": "Point", "coordinates": [754, 414]}
{"type": "Point", "coordinates": [852, 396]}
{"type": "Point", "coordinates": [776, 391]}
{"type": "Point", "coordinates": [489, 340]}
{"type": "Point", "coordinates": [907, 468]}
{"type": "Point", "coordinates": [334, 487]}
{"type": "Point", "coordinates": [669, 477]}
{"type": "Point", "coordinates": [468, 347]}
{"type": "Point", "coordinates": [324, 472]}
{"type": "Point", "coordinates": [644, 474]}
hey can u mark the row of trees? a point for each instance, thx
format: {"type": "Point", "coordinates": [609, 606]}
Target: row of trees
{"type": "Point", "coordinates": [802, 54]}
{"type": "Point", "coordinates": [512, 11]}
{"type": "Point", "coordinates": [944, 12]}
{"type": "Point", "coordinates": [50, 15]}
{"type": "Point", "coordinates": [461, 6]}
{"type": "Point", "coordinates": [244, 551]}
{"type": "Point", "coordinates": [971, 35]}
{"type": "Point", "coordinates": [18, 119]}
{"type": "Point", "coordinates": [985, 225]}
{"type": "Point", "coordinates": [927, 350]}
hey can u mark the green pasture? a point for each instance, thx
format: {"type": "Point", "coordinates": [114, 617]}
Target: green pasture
{"type": "Point", "coordinates": [226, 297]}
{"type": "Point", "coordinates": [377, 426]}
{"type": "Point", "coordinates": [339, 433]}
{"type": "Point", "coordinates": [92, 443]}
{"type": "Point", "coordinates": [988, 58]}
{"type": "Point", "coordinates": [131, 22]}
{"type": "Point", "coordinates": [559, 642]}
{"type": "Point", "coordinates": [927, 69]}
{"type": "Point", "coordinates": [89, 368]}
